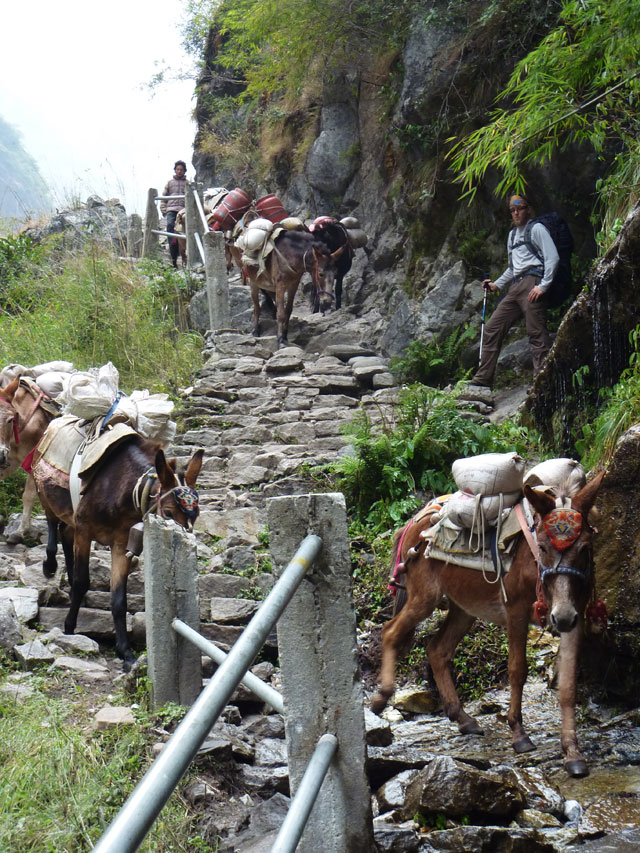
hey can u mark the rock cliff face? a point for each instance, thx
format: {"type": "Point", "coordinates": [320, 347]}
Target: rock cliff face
{"type": "Point", "coordinates": [371, 142]}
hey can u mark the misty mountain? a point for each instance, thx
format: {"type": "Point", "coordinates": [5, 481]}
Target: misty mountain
{"type": "Point", "coordinates": [23, 190]}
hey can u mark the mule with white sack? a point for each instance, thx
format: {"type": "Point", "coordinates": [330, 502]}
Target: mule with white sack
{"type": "Point", "coordinates": [99, 469]}
{"type": "Point", "coordinates": [542, 571]}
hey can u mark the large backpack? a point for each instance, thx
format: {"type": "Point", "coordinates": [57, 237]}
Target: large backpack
{"type": "Point", "coordinates": [560, 288]}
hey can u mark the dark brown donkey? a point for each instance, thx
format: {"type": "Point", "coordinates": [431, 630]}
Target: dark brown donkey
{"type": "Point", "coordinates": [22, 424]}
{"type": "Point", "coordinates": [566, 580]}
{"type": "Point", "coordinates": [294, 254]}
{"type": "Point", "coordinates": [112, 502]}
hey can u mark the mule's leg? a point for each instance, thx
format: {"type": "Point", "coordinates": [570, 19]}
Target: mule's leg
{"type": "Point", "coordinates": [574, 762]}
{"type": "Point", "coordinates": [440, 651]}
{"type": "Point", "coordinates": [66, 538]}
{"type": "Point", "coordinates": [80, 578]}
{"type": "Point", "coordinates": [283, 312]}
{"type": "Point", "coordinates": [29, 495]}
{"type": "Point", "coordinates": [50, 562]}
{"type": "Point", "coordinates": [517, 629]}
{"type": "Point", "coordinates": [255, 298]}
{"type": "Point", "coordinates": [338, 290]}
{"type": "Point", "coordinates": [120, 566]}
{"type": "Point", "coordinates": [394, 638]}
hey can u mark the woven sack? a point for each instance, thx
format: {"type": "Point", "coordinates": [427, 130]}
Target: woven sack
{"type": "Point", "coordinates": [489, 473]}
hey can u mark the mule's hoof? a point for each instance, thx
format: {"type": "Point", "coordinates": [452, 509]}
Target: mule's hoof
{"type": "Point", "coordinates": [379, 703]}
{"type": "Point", "coordinates": [49, 572]}
{"type": "Point", "coordinates": [577, 768]}
{"type": "Point", "coordinates": [128, 662]}
{"type": "Point", "coordinates": [471, 727]}
{"type": "Point", "coordinates": [68, 629]}
{"type": "Point", "coordinates": [525, 744]}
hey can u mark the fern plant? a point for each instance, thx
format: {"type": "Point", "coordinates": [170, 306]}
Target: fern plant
{"type": "Point", "coordinates": [437, 363]}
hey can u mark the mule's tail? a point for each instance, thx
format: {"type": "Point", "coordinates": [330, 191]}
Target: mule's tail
{"type": "Point", "coordinates": [396, 579]}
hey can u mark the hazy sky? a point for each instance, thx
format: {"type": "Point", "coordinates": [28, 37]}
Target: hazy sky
{"type": "Point", "coordinates": [73, 83]}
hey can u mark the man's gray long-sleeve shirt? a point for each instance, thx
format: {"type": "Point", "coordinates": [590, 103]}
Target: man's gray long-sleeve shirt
{"type": "Point", "coordinates": [521, 259]}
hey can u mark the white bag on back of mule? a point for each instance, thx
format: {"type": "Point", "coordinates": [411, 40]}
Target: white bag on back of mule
{"type": "Point", "coordinates": [461, 508]}
{"type": "Point", "coordinates": [558, 473]}
{"type": "Point", "coordinates": [489, 473]}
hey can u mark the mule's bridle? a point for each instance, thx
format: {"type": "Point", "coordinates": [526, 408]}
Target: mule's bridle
{"type": "Point", "coordinates": [145, 502]}
{"type": "Point", "coordinates": [20, 424]}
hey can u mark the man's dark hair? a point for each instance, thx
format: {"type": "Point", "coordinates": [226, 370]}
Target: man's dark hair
{"type": "Point", "coordinates": [180, 163]}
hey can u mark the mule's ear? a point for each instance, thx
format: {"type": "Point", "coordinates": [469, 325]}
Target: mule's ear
{"type": "Point", "coordinates": [10, 389]}
{"type": "Point", "coordinates": [193, 468]}
{"type": "Point", "coordinates": [586, 497]}
{"type": "Point", "coordinates": [540, 501]}
{"type": "Point", "coordinates": [335, 255]}
{"type": "Point", "coordinates": [165, 473]}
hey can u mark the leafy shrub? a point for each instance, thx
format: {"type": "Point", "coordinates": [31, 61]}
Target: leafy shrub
{"type": "Point", "coordinates": [620, 410]}
{"type": "Point", "coordinates": [435, 363]}
{"type": "Point", "coordinates": [391, 463]}
{"type": "Point", "coordinates": [90, 307]}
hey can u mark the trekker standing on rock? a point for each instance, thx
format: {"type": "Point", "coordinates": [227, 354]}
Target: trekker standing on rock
{"type": "Point", "coordinates": [526, 282]}
{"type": "Point", "coordinates": [170, 207]}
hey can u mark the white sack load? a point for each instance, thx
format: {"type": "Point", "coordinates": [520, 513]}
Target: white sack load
{"type": "Point", "coordinates": [251, 241]}
{"type": "Point", "coordinates": [291, 223]}
{"type": "Point", "coordinates": [12, 370]}
{"type": "Point", "coordinates": [89, 394]}
{"type": "Point", "coordinates": [52, 382]}
{"type": "Point", "coordinates": [148, 414]}
{"type": "Point", "coordinates": [263, 224]}
{"type": "Point", "coordinates": [350, 222]}
{"type": "Point", "coordinates": [489, 473]}
{"type": "Point", "coordinates": [558, 474]}
{"type": "Point", "coordinates": [357, 238]}
{"type": "Point", "coordinates": [476, 512]}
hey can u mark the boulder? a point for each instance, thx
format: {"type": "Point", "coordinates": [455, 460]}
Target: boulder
{"type": "Point", "coordinates": [10, 627]}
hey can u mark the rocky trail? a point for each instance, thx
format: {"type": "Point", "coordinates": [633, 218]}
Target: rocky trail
{"type": "Point", "coordinates": [264, 416]}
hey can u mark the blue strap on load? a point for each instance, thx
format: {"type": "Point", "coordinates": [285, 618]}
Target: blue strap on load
{"type": "Point", "coordinates": [111, 411]}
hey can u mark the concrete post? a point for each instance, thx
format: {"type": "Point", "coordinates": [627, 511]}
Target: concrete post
{"type": "Point", "coordinates": [150, 245]}
{"type": "Point", "coordinates": [134, 236]}
{"type": "Point", "coordinates": [193, 225]}
{"type": "Point", "coordinates": [322, 691]}
{"type": "Point", "coordinates": [217, 284]}
{"type": "Point", "coordinates": [171, 590]}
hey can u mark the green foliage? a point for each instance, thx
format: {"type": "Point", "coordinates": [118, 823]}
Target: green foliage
{"type": "Point", "coordinates": [11, 494]}
{"type": "Point", "coordinates": [370, 561]}
{"type": "Point", "coordinates": [580, 85]}
{"type": "Point", "coordinates": [620, 409]}
{"type": "Point", "coordinates": [273, 44]}
{"type": "Point", "coordinates": [391, 462]}
{"type": "Point", "coordinates": [90, 307]}
{"type": "Point", "coordinates": [61, 784]}
{"type": "Point", "coordinates": [17, 256]}
{"type": "Point", "coordinates": [435, 363]}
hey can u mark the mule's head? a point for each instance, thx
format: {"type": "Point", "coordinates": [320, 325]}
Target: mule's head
{"type": "Point", "coordinates": [324, 273]}
{"type": "Point", "coordinates": [565, 552]}
{"type": "Point", "coordinates": [178, 498]}
{"type": "Point", "coordinates": [8, 421]}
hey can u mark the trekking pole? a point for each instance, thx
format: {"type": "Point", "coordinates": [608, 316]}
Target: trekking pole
{"type": "Point", "coordinates": [484, 311]}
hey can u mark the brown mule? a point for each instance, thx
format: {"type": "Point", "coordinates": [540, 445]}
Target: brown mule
{"type": "Point", "coordinates": [566, 582]}
{"type": "Point", "coordinates": [108, 509]}
{"type": "Point", "coordinates": [22, 425]}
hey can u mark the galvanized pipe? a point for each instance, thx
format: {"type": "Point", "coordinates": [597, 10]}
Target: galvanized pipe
{"type": "Point", "coordinates": [300, 809]}
{"type": "Point", "coordinates": [205, 224]}
{"type": "Point", "coordinates": [198, 240]}
{"type": "Point", "coordinates": [167, 197]}
{"type": "Point", "coordinates": [263, 691]}
{"type": "Point", "coordinates": [137, 815]}
{"type": "Point", "coordinates": [177, 234]}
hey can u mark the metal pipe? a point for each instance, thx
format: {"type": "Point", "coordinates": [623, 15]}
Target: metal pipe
{"type": "Point", "coordinates": [205, 224]}
{"type": "Point", "coordinates": [177, 234]}
{"type": "Point", "coordinates": [137, 815]}
{"type": "Point", "coordinates": [264, 691]}
{"type": "Point", "coordinates": [306, 795]}
{"type": "Point", "coordinates": [166, 197]}
{"type": "Point", "coordinates": [198, 240]}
